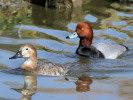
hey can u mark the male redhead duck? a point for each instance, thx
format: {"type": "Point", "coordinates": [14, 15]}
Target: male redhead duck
{"type": "Point", "coordinates": [29, 53]}
{"type": "Point", "coordinates": [98, 50]}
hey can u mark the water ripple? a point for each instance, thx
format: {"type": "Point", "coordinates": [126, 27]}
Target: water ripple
{"type": "Point", "coordinates": [5, 54]}
{"type": "Point", "coordinates": [72, 26]}
{"type": "Point", "coordinates": [56, 33]}
{"type": "Point", "coordinates": [128, 28]}
{"type": "Point", "coordinates": [43, 42]}
{"type": "Point", "coordinates": [113, 32]}
{"type": "Point", "coordinates": [124, 15]}
{"type": "Point", "coordinates": [119, 23]}
{"type": "Point", "coordinates": [91, 18]}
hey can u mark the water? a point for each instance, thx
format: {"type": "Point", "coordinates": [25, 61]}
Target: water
{"type": "Point", "coordinates": [46, 29]}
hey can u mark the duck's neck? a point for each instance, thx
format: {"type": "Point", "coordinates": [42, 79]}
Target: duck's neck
{"type": "Point", "coordinates": [30, 64]}
{"type": "Point", "coordinates": [85, 42]}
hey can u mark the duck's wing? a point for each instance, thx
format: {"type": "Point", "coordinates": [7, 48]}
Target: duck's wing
{"type": "Point", "coordinates": [51, 69]}
{"type": "Point", "coordinates": [110, 50]}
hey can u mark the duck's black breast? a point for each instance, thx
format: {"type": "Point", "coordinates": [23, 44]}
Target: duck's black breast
{"type": "Point", "coordinates": [90, 51]}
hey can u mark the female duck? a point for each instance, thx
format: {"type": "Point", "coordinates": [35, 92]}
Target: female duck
{"type": "Point", "coordinates": [100, 50]}
{"type": "Point", "coordinates": [29, 53]}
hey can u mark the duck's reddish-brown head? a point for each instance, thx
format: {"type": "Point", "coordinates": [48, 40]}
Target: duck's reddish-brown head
{"type": "Point", "coordinates": [84, 32]}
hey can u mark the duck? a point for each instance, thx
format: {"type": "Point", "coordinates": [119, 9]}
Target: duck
{"type": "Point", "coordinates": [95, 50]}
{"type": "Point", "coordinates": [29, 53]}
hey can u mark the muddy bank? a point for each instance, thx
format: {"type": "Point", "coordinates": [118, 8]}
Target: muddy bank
{"type": "Point", "coordinates": [12, 3]}
{"type": "Point", "coordinates": [69, 3]}
{"type": "Point", "coordinates": [58, 3]}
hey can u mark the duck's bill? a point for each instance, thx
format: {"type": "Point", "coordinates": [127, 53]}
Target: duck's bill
{"type": "Point", "coordinates": [74, 35]}
{"type": "Point", "coordinates": [17, 55]}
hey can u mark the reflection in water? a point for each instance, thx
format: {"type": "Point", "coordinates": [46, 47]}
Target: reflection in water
{"type": "Point", "coordinates": [126, 89]}
{"type": "Point", "coordinates": [83, 84]}
{"type": "Point", "coordinates": [55, 18]}
{"type": "Point", "coordinates": [29, 88]}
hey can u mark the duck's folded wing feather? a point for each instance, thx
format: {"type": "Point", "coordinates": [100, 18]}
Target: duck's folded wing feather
{"type": "Point", "coordinates": [110, 50]}
{"type": "Point", "coordinates": [52, 69]}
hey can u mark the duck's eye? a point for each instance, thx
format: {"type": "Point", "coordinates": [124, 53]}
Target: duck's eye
{"type": "Point", "coordinates": [82, 29]}
{"type": "Point", "coordinates": [26, 48]}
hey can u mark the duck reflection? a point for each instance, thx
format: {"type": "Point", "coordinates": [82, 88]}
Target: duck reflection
{"type": "Point", "coordinates": [29, 88]}
{"type": "Point", "coordinates": [83, 84]}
